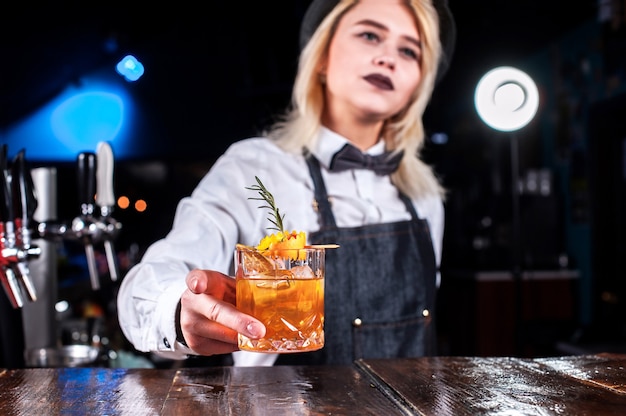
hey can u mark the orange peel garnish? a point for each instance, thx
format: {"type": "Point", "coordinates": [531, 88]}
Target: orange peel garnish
{"type": "Point", "coordinates": [284, 244]}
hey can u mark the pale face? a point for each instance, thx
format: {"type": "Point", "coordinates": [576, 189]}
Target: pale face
{"type": "Point", "coordinates": [373, 63]}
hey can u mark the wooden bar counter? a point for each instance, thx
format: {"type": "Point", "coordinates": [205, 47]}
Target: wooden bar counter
{"type": "Point", "coordinates": [572, 385]}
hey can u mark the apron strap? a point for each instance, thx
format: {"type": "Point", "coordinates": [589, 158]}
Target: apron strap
{"type": "Point", "coordinates": [321, 195]}
{"type": "Point", "coordinates": [409, 206]}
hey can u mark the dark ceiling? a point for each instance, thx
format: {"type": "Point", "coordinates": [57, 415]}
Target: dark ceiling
{"type": "Point", "coordinates": [232, 63]}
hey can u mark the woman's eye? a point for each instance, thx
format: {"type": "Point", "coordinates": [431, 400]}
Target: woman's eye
{"type": "Point", "coordinates": [409, 53]}
{"type": "Point", "coordinates": [372, 37]}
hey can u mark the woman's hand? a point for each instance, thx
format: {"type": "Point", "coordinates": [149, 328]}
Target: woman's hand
{"type": "Point", "coordinates": [209, 320]}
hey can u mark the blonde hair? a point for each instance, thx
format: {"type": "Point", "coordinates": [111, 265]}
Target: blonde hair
{"type": "Point", "coordinates": [300, 125]}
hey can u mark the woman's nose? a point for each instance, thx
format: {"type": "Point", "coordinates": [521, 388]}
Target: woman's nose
{"type": "Point", "coordinates": [385, 60]}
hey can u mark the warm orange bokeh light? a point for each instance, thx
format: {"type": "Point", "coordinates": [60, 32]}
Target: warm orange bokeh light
{"type": "Point", "coordinates": [123, 202]}
{"type": "Point", "coordinates": [141, 205]}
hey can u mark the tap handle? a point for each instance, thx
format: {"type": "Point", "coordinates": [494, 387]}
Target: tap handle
{"type": "Point", "coordinates": [5, 192]}
{"type": "Point", "coordinates": [105, 199]}
{"type": "Point", "coordinates": [86, 194]}
{"type": "Point", "coordinates": [86, 182]}
{"type": "Point", "coordinates": [24, 198]}
{"type": "Point", "coordinates": [104, 195]}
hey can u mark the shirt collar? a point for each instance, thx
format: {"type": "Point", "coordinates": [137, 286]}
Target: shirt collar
{"type": "Point", "coordinates": [329, 143]}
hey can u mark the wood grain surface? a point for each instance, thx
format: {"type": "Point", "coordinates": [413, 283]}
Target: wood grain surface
{"type": "Point", "coordinates": [572, 385]}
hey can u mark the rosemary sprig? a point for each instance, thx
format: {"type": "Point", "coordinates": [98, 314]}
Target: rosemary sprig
{"type": "Point", "coordinates": [267, 197]}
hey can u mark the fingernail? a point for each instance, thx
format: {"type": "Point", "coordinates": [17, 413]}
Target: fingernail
{"type": "Point", "coordinates": [193, 285]}
{"type": "Point", "coordinates": [255, 330]}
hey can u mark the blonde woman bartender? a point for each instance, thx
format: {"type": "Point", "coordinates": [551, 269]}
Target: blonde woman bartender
{"type": "Point", "coordinates": [344, 165]}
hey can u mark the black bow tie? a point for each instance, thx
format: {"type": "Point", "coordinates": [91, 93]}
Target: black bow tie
{"type": "Point", "coordinates": [349, 157]}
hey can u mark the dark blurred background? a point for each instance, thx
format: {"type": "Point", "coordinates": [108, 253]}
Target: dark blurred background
{"type": "Point", "coordinates": [217, 73]}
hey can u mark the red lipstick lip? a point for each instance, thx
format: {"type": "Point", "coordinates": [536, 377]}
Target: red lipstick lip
{"type": "Point", "coordinates": [380, 81]}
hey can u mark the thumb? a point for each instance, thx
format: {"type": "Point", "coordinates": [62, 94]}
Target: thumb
{"type": "Point", "coordinates": [197, 281]}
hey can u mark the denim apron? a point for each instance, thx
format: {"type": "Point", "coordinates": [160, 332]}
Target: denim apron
{"type": "Point", "coordinates": [379, 287]}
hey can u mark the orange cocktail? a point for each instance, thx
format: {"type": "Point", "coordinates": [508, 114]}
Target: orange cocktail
{"type": "Point", "coordinates": [285, 291]}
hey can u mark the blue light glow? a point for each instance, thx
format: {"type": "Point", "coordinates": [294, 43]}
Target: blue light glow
{"type": "Point", "coordinates": [89, 116]}
{"type": "Point", "coordinates": [130, 68]}
{"type": "Point", "coordinates": [98, 108]}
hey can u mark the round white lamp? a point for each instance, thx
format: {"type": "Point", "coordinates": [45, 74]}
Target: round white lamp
{"type": "Point", "coordinates": [506, 99]}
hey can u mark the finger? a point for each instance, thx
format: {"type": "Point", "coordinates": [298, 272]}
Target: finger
{"type": "Point", "coordinates": [203, 328]}
{"type": "Point", "coordinates": [211, 283]}
{"type": "Point", "coordinates": [204, 317]}
{"type": "Point", "coordinates": [223, 321]}
{"type": "Point", "coordinates": [208, 337]}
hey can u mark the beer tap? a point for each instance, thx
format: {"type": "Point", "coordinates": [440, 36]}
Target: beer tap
{"type": "Point", "coordinates": [25, 204]}
{"type": "Point", "coordinates": [9, 280]}
{"type": "Point", "coordinates": [84, 226]}
{"type": "Point", "coordinates": [16, 209]}
{"type": "Point", "coordinates": [18, 203]}
{"type": "Point", "coordinates": [105, 199]}
{"type": "Point", "coordinates": [95, 189]}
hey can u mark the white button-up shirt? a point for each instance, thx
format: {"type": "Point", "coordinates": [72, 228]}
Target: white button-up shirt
{"type": "Point", "coordinates": [219, 214]}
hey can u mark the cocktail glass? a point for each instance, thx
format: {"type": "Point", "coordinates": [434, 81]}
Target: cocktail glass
{"type": "Point", "coordinates": [285, 291]}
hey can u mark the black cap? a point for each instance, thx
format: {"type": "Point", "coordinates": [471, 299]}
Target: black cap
{"type": "Point", "coordinates": [318, 9]}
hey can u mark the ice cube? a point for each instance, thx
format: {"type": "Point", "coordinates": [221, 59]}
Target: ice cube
{"type": "Point", "coordinates": [302, 272]}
